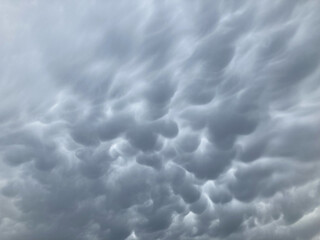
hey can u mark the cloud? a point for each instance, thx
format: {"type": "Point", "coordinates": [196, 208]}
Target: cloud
{"type": "Point", "coordinates": [159, 120]}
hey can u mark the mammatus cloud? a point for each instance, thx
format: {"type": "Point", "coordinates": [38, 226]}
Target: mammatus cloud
{"type": "Point", "coordinates": [144, 120]}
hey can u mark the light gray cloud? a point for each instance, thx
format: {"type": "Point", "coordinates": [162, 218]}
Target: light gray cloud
{"type": "Point", "coordinates": [159, 120]}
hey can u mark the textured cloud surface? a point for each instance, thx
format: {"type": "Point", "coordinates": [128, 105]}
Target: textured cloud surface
{"type": "Point", "coordinates": [124, 120]}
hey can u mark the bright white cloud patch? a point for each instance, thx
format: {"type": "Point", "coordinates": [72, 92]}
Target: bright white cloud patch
{"type": "Point", "coordinates": [159, 120]}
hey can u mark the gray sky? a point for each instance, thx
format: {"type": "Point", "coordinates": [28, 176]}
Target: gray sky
{"type": "Point", "coordinates": [180, 119]}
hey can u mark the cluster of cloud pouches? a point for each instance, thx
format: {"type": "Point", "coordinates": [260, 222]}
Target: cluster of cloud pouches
{"type": "Point", "coordinates": [159, 120]}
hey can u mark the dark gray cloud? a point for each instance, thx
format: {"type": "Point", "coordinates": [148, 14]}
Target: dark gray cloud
{"type": "Point", "coordinates": [159, 120]}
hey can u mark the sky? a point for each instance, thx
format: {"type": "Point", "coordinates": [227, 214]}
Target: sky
{"type": "Point", "coordinates": [165, 120]}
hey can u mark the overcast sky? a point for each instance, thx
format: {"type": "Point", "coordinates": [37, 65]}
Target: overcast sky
{"type": "Point", "coordinates": [168, 120]}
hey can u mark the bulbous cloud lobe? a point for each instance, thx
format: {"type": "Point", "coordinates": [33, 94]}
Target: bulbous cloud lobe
{"type": "Point", "coordinates": [159, 120]}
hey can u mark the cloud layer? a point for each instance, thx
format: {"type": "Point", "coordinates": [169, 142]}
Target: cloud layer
{"type": "Point", "coordinates": [126, 120]}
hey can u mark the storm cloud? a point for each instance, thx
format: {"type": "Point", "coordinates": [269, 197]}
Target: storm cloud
{"type": "Point", "coordinates": [124, 120]}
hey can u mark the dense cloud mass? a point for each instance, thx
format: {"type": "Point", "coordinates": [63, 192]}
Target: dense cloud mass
{"type": "Point", "coordinates": [124, 120]}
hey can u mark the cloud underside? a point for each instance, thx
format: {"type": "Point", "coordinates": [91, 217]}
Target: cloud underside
{"type": "Point", "coordinates": [159, 120]}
